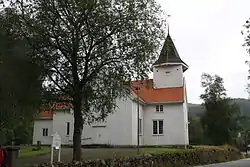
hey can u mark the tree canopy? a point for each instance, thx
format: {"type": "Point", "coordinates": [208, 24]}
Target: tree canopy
{"type": "Point", "coordinates": [21, 85]}
{"type": "Point", "coordinates": [91, 49]}
{"type": "Point", "coordinates": [221, 118]}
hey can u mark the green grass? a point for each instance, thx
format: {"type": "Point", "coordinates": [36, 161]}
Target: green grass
{"type": "Point", "coordinates": [26, 152]}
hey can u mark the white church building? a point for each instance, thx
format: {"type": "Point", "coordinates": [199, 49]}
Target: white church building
{"type": "Point", "coordinates": [163, 112]}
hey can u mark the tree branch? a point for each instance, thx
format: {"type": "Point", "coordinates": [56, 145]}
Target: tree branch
{"type": "Point", "coordinates": [97, 69]}
{"type": "Point", "coordinates": [58, 85]}
{"type": "Point", "coordinates": [63, 77]}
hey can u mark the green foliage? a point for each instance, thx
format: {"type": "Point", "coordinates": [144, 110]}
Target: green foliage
{"type": "Point", "coordinates": [190, 157]}
{"type": "Point", "coordinates": [195, 110]}
{"type": "Point", "coordinates": [20, 86]}
{"type": "Point", "coordinates": [90, 49]}
{"type": "Point", "coordinates": [195, 130]}
{"type": "Point", "coordinates": [214, 88]}
{"type": "Point", "coordinates": [92, 46]}
{"type": "Point", "coordinates": [221, 117]}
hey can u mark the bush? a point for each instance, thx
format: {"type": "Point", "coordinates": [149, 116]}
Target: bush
{"type": "Point", "coordinates": [200, 155]}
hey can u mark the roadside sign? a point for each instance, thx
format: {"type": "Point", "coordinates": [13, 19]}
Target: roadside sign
{"type": "Point", "coordinates": [56, 141]}
{"type": "Point", "coordinates": [56, 144]}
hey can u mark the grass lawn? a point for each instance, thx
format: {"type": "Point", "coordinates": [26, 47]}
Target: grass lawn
{"type": "Point", "coordinates": [91, 154]}
{"type": "Point", "coordinates": [26, 151]}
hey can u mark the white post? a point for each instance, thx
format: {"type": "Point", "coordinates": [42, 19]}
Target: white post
{"type": "Point", "coordinates": [185, 140]}
{"type": "Point", "coordinates": [59, 154]}
{"type": "Point", "coordinates": [51, 155]}
{"type": "Point", "coordinates": [186, 134]}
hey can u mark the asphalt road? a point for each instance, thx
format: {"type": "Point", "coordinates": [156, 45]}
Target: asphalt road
{"type": "Point", "coordinates": [239, 163]}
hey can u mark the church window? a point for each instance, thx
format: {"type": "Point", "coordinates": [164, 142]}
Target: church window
{"type": "Point", "coordinates": [45, 131]}
{"type": "Point", "coordinates": [167, 72]}
{"type": "Point", "coordinates": [157, 127]}
{"type": "Point", "coordinates": [68, 128]}
{"type": "Point", "coordinates": [159, 108]}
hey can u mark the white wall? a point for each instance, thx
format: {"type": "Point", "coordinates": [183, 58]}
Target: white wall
{"type": "Point", "coordinates": [173, 125]}
{"type": "Point", "coordinates": [119, 127]}
{"type": "Point", "coordinates": [117, 132]}
{"type": "Point", "coordinates": [135, 123]}
{"type": "Point", "coordinates": [38, 131]}
{"type": "Point", "coordinates": [60, 120]}
{"type": "Point", "coordinates": [185, 108]}
{"type": "Point", "coordinates": [167, 80]}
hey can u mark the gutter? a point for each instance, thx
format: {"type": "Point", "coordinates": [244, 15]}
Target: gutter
{"type": "Point", "coordinates": [41, 118]}
{"type": "Point", "coordinates": [170, 102]}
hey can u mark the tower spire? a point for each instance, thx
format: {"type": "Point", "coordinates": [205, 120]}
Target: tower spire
{"type": "Point", "coordinates": [168, 16]}
{"type": "Point", "coordinates": [169, 54]}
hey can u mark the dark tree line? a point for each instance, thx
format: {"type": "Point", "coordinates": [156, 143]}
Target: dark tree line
{"type": "Point", "coordinates": [221, 122]}
{"type": "Point", "coordinates": [20, 83]}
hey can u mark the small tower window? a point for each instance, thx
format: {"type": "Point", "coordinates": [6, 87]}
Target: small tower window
{"type": "Point", "coordinates": [167, 72]}
{"type": "Point", "coordinates": [159, 108]}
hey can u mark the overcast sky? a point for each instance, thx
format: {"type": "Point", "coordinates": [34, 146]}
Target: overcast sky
{"type": "Point", "coordinates": [207, 34]}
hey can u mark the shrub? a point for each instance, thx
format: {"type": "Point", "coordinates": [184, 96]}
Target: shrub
{"type": "Point", "coordinates": [200, 155]}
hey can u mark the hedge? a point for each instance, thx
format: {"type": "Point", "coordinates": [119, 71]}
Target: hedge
{"type": "Point", "coordinates": [189, 157]}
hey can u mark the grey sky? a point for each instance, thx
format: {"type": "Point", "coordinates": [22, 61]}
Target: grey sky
{"type": "Point", "coordinates": [207, 34]}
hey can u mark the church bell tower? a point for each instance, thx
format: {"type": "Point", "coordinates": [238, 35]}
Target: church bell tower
{"type": "Point", "coordinates": [169, 68]}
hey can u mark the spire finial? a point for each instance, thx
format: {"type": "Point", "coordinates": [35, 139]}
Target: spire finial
{"type": "Point", "coordinates": [168, 16]}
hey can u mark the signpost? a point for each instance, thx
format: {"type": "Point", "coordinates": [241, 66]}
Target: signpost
{"type": "Point", "coordinates": [56, 145]}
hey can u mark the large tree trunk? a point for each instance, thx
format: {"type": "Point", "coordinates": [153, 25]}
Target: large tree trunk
{"type": "Point", "coordinates": [78, 126]}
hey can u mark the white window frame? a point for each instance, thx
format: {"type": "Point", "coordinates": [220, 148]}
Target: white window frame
{"type": "Point", "coordinates": [45, 132]}
{"type": "Point", "coordinates": [157, 127]}
{"type": "Point", "coordinates": [159, 108]}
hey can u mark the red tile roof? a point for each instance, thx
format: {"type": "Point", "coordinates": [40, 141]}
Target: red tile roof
{"type": "Point", "coordinates": [151, 95]}
{"type": "Point", "coordinates": [48, 114]}
{"type": "Point", "coordinates": [147, 94]}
